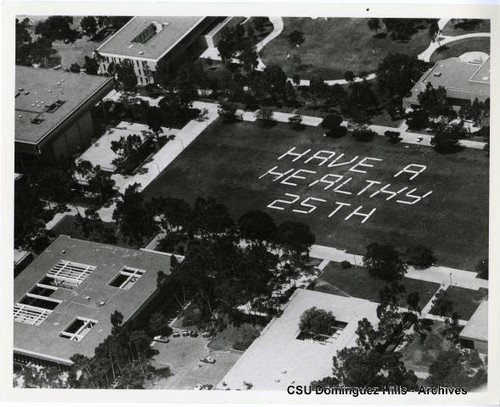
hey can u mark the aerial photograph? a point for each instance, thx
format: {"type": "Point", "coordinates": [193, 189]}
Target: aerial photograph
{"type": "Point", "coordinates": [288, 204]}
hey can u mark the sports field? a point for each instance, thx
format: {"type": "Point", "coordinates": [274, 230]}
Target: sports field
{"type": "Point", "coordinates": [441, 201]}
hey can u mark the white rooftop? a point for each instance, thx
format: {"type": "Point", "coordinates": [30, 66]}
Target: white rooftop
{"type": "Point", "coordinates": [477, 327]}
{"type": "Point", "coordinates": [277, 358]}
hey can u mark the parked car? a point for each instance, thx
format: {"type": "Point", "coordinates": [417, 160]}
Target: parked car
{"type": "Point", "coordinates": [161, 338]}
{"type": "Point", "coordinates": [185, 333]}
{"type": "Point", "coordinates": [205, 334]}
{"type": "Point", "coordinates": [199, 386]}
{"type": "Point", "coordinates": [193, 334]}
{"type": "Point", "coordinates": [207, 359]}
{"type": "Point", "coordinates": [176, 334]}
{"type": "Point", "coordinates": [207, 387]}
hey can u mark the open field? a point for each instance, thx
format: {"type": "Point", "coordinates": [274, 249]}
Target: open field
{"type": "Point", "coordinates": [333, 46]}
{"type": "Point", "coordinates": [457, 48]}
{"type": "Point", "coordinates": [226, 161]}
{"type": "Point", "coordinates": [356, 282]}
{"type": "Point", "coordinates": [466, 301]}
{"type": "Point", "coordinates": [456, 27]}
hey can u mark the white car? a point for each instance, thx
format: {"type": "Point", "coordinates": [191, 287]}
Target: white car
{"type": "Point", "coordinates": [199, 386]}
{"type": "Point", "coordinates": [161, 338]}
{"type": "Point", "coordinates": [207, 359]}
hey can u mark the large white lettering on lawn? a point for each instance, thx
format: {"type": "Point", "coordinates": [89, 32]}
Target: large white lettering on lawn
{"type": "Point", "coordinates": [341, 188]}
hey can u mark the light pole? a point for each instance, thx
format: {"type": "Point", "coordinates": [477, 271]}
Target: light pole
{"type": "Point", "coordinates": [451, 283]}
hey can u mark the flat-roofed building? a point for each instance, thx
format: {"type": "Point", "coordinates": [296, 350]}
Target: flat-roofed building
{"type": "Point", "coordinates": [145, 41]}
{"type": "Point", "coordinates": [475, 333]}
{"type": "Point", "coordinates": [463, 80]}
{"type": "Point", "coordinates": [54, 111]}
{"type": "Point", "coordinates": [64, 299]}
{"type": "Point", "coordinates": [279, 358]}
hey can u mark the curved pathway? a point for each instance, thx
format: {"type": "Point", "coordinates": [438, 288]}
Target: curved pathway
{"type": "Point", "coordinates": [444, 40]}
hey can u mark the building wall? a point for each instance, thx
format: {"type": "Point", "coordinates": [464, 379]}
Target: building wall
{"type": "Point", "coordinates": [144, 68]}
{"type": "Point", "coordinates": [481, 346]}
{"type": "Point", "coordinates": [73, 139]}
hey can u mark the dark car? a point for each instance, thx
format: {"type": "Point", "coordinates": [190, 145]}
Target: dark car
{"type": "Point", "coordinates": [193, 334]}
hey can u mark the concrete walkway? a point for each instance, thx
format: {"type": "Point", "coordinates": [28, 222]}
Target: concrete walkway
{"type": "Point", "coordinates": [406, 136]}
{"type": "Point", "coordinates": [278, 26]}
{"type": "Point", "coordinates": [437, 274]}
{"type": "Point", "coordinates": [444, 40]}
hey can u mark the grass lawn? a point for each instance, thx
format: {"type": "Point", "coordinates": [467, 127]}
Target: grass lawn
{"type": "Point", "coordinates": [334, 46]}
{"type": "Point", "coordinates": [356, 282]}
{"type": "Point", "coordinates": [67, 226]}
{"type": "Point", "coordinates": [419, 356]}
{"type": "Point", "coordinates": [452, 28]}
{"type": "Point", "coordinates": [232, 334]}
{"type": "Point", "coordinates": [226, 161]}
{"type": "Point", "coordinates": [466, 301]}
{"type": "Point", "coordinates": [457, 48]}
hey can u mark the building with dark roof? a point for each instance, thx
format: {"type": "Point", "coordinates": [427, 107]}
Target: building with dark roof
{"type": "Point", "coordinates": [64, 299]}
{"type": "Point", "coordinates": [53, 111]}
{"type": "Point", "coordinates": [463, 80]}
{"type": "Point", "coordinates": [145, 41]}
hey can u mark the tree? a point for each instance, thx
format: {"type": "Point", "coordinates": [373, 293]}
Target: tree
{"type": "Point", "coordinates": [482, 269]}
{"type": "Point", "coordinates": [134, 218]}
{"type": "Point", "coordinates": [317, 321]}
{"type": "Point", "coordinates": [265, 116]}
{"type": "Point", "coordinates": [295, 236]}
{"type": "Point", "coordinates": [116, 319]}
{"type": "Point", "coordinates": [257, 225]}
{"type": "Point", "coordinates": [420, 256]}
{"type": "Point", "coordinates": [349, 76]}
{"type": "Point", "coordinates": [374, 24]}
{"type": "Point", "coordinates": [384, 262]}
{"type": "Point", "coordinates": [332, 123]}
{"type": "Point", "coordinates": [393, 136]}
{"type": "Point", "coordinates": [75, 68]}
{"type": "Point", "coordinates": [442, 305]}
{"type": "Point", "coordinates": [158, 325]}
{"type": "Point", "coordinates": [402, 28]}
{"type": "Point", "coordinates": [296, 38]}
{"type": "Point", "coordinates": [397, 73]}
{"type": "Point", "coordinates": [457, 368]}
{"type": "Point", "coordinates": [211, 216]}
{"type": "Point", "coordinates": [447, 137]}
{"type": "Point", "coordinates": [91, 66]}
{"type": "Point", "coordinates": [417, 119]}
{"type": "Point", "coordinates": [296, 122]}
{"type": "Point", "coordinates": [228, 111]}
{"type": "Point", "coordinates": [433, 29]}
{"type": "Point", "coordinates": [126, 75]}
{"type": "Point", "coordinates": [434, 102]}
{"type": "Point", "coordinates": [57, 28]}
{"type": "Point", "coordinates": [88, 25]}
{"type": "Point", "coordinates": [364, 134]}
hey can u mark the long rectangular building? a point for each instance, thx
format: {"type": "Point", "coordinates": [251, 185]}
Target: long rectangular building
{"type": "Point", "coordinates": [64, 299]}
{"type": "Point", "coordinates": [145, 41]}
{"type": "Point", "coordinates": [54, 111]}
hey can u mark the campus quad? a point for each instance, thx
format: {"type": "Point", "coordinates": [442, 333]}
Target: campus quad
{"type": "Point", "coordinates": [351, 193]}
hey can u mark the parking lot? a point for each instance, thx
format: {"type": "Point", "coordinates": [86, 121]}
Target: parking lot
{"type": "Point", "coordinates": [183, 355]}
